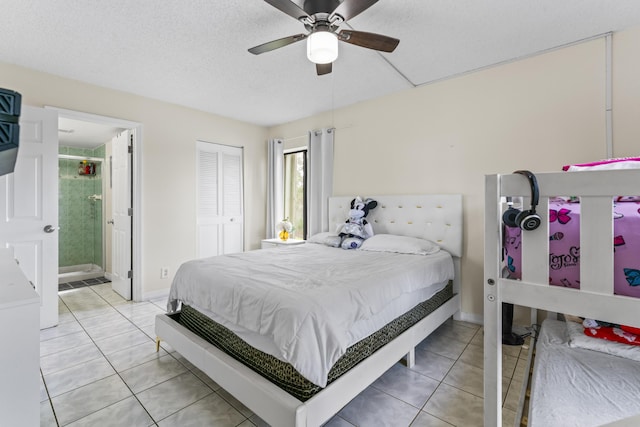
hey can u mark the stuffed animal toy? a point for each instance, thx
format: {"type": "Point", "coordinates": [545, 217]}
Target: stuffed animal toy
{"type": "Point", "coordinates": [356, 229]}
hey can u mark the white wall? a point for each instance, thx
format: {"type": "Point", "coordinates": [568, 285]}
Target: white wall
{"type": "Point", "coordinates": [168, 156]}
{"type": "Point", "coordinates": [538, 114]}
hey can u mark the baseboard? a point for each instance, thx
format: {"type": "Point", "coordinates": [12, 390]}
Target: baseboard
{"type": "Point", "coordinates": [162, 293]}
{"type": "Point", "coordinates": [478, 319]}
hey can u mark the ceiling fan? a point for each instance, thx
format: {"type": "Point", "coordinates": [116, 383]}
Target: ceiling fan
{"type": "Point", "coordinates": [322, 19]}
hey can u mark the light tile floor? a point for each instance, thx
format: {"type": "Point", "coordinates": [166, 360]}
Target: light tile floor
{"type": "Point", "coordinates": [99, 367]}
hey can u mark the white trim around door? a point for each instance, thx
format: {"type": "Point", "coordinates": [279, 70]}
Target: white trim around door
{"type": "Point", "coordinates": [136, 233]}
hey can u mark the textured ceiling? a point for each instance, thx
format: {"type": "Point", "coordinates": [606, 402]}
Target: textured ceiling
{"type": "Point", "coordinates": [194, 52]}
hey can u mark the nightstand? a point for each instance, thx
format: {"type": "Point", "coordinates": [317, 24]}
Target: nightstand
{"type": "Point", "coordinates": [278, 243]}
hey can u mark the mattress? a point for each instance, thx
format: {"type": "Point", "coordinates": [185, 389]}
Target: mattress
{"type": "Point", "coordinates": [283, 374]}
{"type": "Point", "coordinates": [359, 330]}
{"type": "Point", "coordinates": [564, 246]}
{"type": "Point", "coordinates": [307, 299]}
{"type": "Point", "coordinates": [579, 387]}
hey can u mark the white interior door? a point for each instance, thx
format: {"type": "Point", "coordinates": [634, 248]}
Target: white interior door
{"type": "Point", "coordinates": [29, 208]}
{"type": "Point", "coordinates": [220, 210]}
{"type": "Point", "coordinates": [121, 214]}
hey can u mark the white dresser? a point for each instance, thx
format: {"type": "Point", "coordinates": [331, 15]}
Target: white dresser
{"type": "Point", "coordinates": [20, 341]}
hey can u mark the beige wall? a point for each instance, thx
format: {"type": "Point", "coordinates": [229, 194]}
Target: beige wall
{"type": "Point", "coordinates": [626, 93]}
{"type": "Point", "coordinates": [538, 113]}
{"type": "Point", "coordinates": [168, 156]}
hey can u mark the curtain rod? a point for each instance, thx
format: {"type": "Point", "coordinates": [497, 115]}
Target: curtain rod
{"type": "Point", "coordinates": [295, 137]}
{"type": "Point", "coordinates": [306, 135]}
{"type": "Point", "coordinates": [71, 157]}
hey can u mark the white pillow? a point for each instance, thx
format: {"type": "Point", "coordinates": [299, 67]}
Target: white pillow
{"type": "Point", "coordinates": [578, 339]}
{"type": "Point", "coordinates": [399, 244]}
{"type": "Point", "coordinates": [325, 238]}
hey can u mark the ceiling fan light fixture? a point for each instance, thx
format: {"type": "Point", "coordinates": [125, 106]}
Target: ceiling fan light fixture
{"type": "Point", "coordinates": [322, 47]}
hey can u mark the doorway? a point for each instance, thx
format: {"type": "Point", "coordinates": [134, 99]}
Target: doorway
{"type": "Point", "coordinates": [83, 202]}
{"type": "Point", "coordinates": [87, 252]}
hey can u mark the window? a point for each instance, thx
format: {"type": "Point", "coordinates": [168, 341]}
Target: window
{"type": "Point", "coordinates": [295, 191]}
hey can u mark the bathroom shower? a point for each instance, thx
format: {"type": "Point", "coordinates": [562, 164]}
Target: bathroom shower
{"type": "Point", "coordinates": [80, 210]}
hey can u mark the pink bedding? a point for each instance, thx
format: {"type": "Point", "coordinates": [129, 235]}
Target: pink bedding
{"type": "Point", "coordinates": [564, 246]}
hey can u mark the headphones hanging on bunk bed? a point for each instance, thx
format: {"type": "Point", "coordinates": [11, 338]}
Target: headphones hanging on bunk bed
{"type": "Point", "coordinates": [526, 219]}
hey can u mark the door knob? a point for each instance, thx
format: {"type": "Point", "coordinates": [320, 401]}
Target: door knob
{"type": "Point", "coordinates": [110, 222]}
{"type": "Point", "coordinates": [50, 229]}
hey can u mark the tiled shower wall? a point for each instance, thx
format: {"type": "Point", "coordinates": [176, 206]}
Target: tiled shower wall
{"type": "Point", "coordinates": [80, 218]}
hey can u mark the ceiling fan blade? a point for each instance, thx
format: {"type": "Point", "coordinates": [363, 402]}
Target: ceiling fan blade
{"type": "Point", "coordinates": [288, 7]}
{"type": "Point", "coordinates": [369, 40]}
{"type": "Point", "coordinates": [275, 44]}
{"type": "Point", "coordinates": [323, 69]}
{"type": "Point", "coordinates": [350, 8]}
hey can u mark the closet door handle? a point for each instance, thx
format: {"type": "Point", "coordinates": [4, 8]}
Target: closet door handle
{"type": "Point", "coordinates": [110, 222]}
{"type": "Point", "coordinates": [50, 229]}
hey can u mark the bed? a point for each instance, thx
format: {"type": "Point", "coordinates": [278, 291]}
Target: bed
{"type": "Point", "coordinates": [603, 380]}
{"type": "Point", "coordinates": [564, 245]}
{"type": "Point", "coordinates": [367, 330]}
{"type": "Point", "coordinates": [598, 295]}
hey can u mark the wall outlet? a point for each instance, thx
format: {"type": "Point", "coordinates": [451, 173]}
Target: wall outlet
{"type": "Point", "coordinates": [164, 272]}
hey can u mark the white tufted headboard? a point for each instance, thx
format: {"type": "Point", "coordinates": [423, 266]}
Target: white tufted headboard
{"type": "Point", "coordinates": [436, 217]}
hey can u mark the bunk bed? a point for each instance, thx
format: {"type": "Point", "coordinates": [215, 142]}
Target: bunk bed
{"type": "Point", "coordinates": [224, 356]}
{"type": "Point", "coordinates": [595, 297]}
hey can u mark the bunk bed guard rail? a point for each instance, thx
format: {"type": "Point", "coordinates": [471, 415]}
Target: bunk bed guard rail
{"type": "Point", "coordinates": [594, 299]}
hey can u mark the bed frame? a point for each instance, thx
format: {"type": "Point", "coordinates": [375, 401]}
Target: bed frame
{"type": "Point", "coordinates": [434, 217]}
{"type": "Point", "coordinates": [594, 299]}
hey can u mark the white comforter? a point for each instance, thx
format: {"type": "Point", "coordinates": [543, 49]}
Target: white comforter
{"type": "Point", "coordinates": [304, 298]}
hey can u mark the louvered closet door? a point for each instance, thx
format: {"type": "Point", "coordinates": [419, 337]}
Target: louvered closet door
{"type": "Point", "coordinates": [220, 212]}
